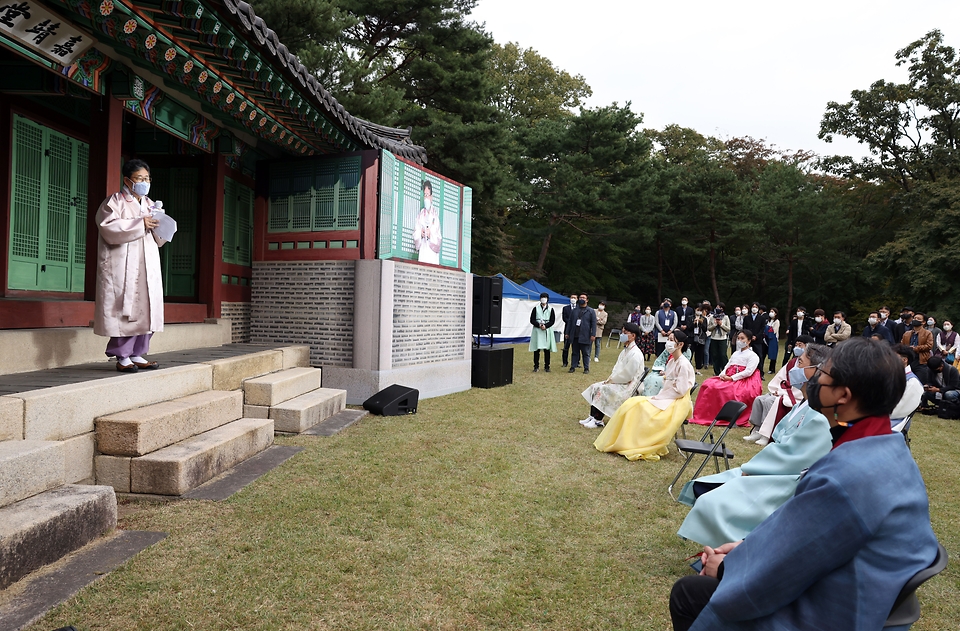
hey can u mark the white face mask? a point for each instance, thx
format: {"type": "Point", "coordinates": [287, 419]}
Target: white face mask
{"type": "Point", "coordinates": [872, 321]}
{"type": "Point", "coordinates": [647, 312]}
{"type": "Point", "coordinates": [754, 311]}
{"type": "Point", "coordinates": [601, 308]}
{"type": "Point", "coordinates": [947, 327]}
{"type": "Point", "coordinates": [741, 345]}
{"type": "Point", "coordinates": [683, 302]}
{"type": "Point", "coordinates": [573, 302]}
{"type": "Point", "coordinates": [837, 320]}
{"type": "Point", "coordinates": [543, 301]}
{"type": "Point", "coordinates": [883, 316]}
{"type": "Point", "coordinates": [930, 322]}
{"type": "Point", "coordinates": [819, 318]}
{"type": "Point", "coordinates": [670, 346]}
{"type": "Point", "coordinates": [773, 316]}
{"type": "Point", "coordinates": [798, 350]}
{"type": "Point", "coordinates": [737, 312]}
{"type": "Point", "coordinates": [800, 314]}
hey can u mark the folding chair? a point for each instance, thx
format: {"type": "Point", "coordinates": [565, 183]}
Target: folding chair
{"type": "Point", "coordinates": [614, 333]}
{"type": "Point", "coordinates": [686, 421]}
{"type": "Point", "coordinates": [729, 413]}
{"type": "Point", "coordinates": [904, 426]}
{"type": "Point", "coordinates": [643, 375]}
{"type": "Point", "coordinates": [906, 608]}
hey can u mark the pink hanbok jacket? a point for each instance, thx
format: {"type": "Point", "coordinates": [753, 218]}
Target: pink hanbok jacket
{"type": "Point", "coordinates": [129, 283]}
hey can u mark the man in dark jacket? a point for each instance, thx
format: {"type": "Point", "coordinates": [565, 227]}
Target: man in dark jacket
{"type": "Point", "coordinates": [801, 325]}
{"type": "Point", "coordinates": [756, 323]}
{"type": "Point", "coordinates": [875, 328]}
{"type": "Point", "coordinates": [565, 316]}
{"type": "Point", "coordinates": [582, 330]}
{"type": "Point", "coordinates": [685, 317]}
{"type": "Point", "coordinates": [943, 385]}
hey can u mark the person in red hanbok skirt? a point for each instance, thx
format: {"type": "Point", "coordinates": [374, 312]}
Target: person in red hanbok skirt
{"type": "Point", "coordinates": [741, 381]}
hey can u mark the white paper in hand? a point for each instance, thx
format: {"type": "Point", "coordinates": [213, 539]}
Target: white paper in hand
{"type": "Point", "coordinates": [168, 225]}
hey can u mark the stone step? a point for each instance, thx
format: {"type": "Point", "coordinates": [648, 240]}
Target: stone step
{"type": "Point", "coordinates": [176, 469]}
{"type": "Point", "coordinates": [41, 529]}
{"type": "Point", "coordinates": [11, 418]}
{"type": "Point", "coordinates": [28, 467]}
{"type": "Point", "coordinates": [269, 390]}
{"type": "Point", "coordinates": [143, 430]}
{"type": "Point", "coordinates": [307, 410]}
{"type": "Point", "coordinates": [230, 373]}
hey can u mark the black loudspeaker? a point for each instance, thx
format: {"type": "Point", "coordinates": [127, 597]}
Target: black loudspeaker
{"type": "Point", "coordinates": [487, 304]}
{"type": "Point", "coordinates": [394, 400]}
{"type": "Point", "coordinates": [491, 367]}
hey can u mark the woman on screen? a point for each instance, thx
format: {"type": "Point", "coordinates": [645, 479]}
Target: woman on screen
{"type": "Point", "coordinates": [426, 232]}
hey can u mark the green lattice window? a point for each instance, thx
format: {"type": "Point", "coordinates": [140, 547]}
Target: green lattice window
{"type": "Point", "coordinates": [317, 195]}
{"type": "Point", "coordinates": [237, 223]}
{"type": "Point", "coordinates": [179, 190]}
{"type": "Point", "coordinates": [48, 208]}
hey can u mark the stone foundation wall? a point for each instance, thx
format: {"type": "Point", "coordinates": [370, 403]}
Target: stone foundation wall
{"type": "Point", "coordinates": [239, 315]}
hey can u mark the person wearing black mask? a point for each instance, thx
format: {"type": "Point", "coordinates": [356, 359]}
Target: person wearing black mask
{"type": "Point", "coordinates": [583, 331]}
{"type": "Point", "coordinates": [566, 316]}
{"type": "Point", "coordinates": [856, 529]}
{"type": "Point", "coordinates": [902, 325]}
{"type": "Point", "coordinates": [919, 339]}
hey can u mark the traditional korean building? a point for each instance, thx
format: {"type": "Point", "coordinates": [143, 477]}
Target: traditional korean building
{"type": "Point", "coordinates": [296, 219]}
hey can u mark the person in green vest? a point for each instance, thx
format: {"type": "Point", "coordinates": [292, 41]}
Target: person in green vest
{"type": "Point", "coordinates": [542, 338]}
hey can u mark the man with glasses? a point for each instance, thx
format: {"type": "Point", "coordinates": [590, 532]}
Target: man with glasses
{"type": "Point", "coordinates": [839, 551]}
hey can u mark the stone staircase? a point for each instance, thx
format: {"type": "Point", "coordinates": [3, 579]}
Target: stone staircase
{"type": "Point", "coordinates": [41, 518]}
{"type": "Point", "coordinates": [66, 450]}
{"type": "Point", "coordinates": [292, 399]}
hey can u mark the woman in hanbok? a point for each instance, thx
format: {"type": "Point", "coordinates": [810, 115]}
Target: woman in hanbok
{"type": "Point", "coordinates": [606, 396]}
{"type": "Point", "coordinates": [728, 505]}
{"type": "Point", "coordinates": [642, 427]}
{"type": "Point", "coordinates": [653, 382]}
{"type": "Point", "coordinates": [542, 338]}
{"type": "Point", "coordinates": [740, 381]}
{"type": "Point", "coordinates": [771, 333]}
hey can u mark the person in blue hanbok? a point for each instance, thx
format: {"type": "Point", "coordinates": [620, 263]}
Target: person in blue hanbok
{"type": "Point", "coordinates": [728, 505]}
{"type": "Point", "coordinates": [542, 338]}
{"type": "Point", "coordinates": [836, 554]}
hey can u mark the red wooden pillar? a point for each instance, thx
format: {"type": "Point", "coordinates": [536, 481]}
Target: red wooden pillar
{"type": "Point", "coordinates": [369, 209]}
{"type": "Point", "coordinates": [103, 178]}
{"type": "Point", "coordinates": [210, 264]}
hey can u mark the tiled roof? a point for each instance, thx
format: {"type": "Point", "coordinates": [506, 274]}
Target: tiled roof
{"type": "Point", "coordinates": [396, 141]}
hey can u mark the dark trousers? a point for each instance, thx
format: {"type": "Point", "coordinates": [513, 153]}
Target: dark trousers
{"type": "Point", "coordinates": [546, 359]}
{"type": "Point", "coordinates": [718, 355]}
{"type": "Point", "coordinates": [757, 347]}
{"type": "Point", "coordinates": [578, 351]}
{"type": "Point", "coordinates": [787, 354]}
{"type": "Point", "coordinates": [698, 355]}
{"type": "Point", "coordinates": [566, 350]}
{"type": "Point", "coordinates": [688, 598]}
{"type": "Point", "coordinates": [596, 413]}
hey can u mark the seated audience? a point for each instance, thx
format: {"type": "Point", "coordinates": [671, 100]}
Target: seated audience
{"type": "Point", "coordinates": [944, 385]}
{"type": "Point", "coordinates": [913, 391]}
{"type": "Point", "coordinates": [741, 381]}
{"type": "Point", "coordinates": [839, 330]}
{"type": "Point", "coordinates": [837, 553]}
{"type": "Point", "coordinates": [875, 328]}
{"type": "Point", "coordinates": [728, 505]}
{"type": "Point", "coordinates": [768, 409]}
{"type": "Point", "coordinates": [918, 338]}
{"type": "Point", "coordinates": [654, 381]}
{"type": "Point", "coordinates": [643, 426]}
{"type": "Point", "coordinates": [606, 396]}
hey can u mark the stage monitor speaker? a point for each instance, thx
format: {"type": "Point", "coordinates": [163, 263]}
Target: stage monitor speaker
{"type": "Point", "coordinates": [487, 304]}
{"type": "Point", "coordinates": [492, 367]}
{"type": "Point", "coordinates": [395, 400]}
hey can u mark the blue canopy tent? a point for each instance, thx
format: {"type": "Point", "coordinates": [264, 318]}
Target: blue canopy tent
{"type": "Point", "coordinates": [518, 301]}
{"type": "Point", "coordinates": [537, 287]}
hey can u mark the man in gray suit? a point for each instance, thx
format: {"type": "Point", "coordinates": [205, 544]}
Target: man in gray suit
{"type": "Point", "coordinates": [581, 330]}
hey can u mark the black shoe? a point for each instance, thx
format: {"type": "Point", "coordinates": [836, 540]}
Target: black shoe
{"type": "Point", "coordinates": [536, 369]}
{"type": "Point", "coordinates": [586, 372]}
{"type": "Point", "coordinates": [572, 370]}
{"type": "Point", "coordinates": [547, 369]}
{"type": "Point", "coordinates": [564, 364]}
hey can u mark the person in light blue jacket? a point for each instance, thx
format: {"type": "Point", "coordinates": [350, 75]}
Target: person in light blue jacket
{"type": "Point", "coordinates": [836, 554]}
{"type": "Point", "coordinates": [728, 505]}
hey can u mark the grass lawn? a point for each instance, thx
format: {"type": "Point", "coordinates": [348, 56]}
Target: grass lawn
{"type": "Point", "coordinates": [488, 509]}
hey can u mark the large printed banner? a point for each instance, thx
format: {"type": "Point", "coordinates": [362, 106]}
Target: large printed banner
{"type": "Point", "coordinates": [422, 217]}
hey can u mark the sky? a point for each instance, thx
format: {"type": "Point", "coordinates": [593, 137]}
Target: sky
{"type": "Point", "coordinates": [726, 69]}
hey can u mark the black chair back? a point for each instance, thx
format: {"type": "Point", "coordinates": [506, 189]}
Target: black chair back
{"type": "Point", "coordinates": [906, 608]}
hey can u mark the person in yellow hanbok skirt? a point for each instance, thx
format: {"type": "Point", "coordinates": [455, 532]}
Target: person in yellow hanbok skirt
{"type": "Point", "coordinates": [642, 427]}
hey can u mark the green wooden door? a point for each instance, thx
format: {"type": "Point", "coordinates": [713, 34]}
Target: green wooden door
{"type": "Point", "coordinates": [237, 223]}
{"type": "Point", "coordinates": [179, 190]}
{"type": "Point", "coordinates": [49, 209]}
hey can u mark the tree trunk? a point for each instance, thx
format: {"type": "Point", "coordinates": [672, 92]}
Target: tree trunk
{"type": "Point", "coordinates": [789, 284]}
{"type": "Point", "coordinates": [713, 268]}
{"type": "Point", "coordinates": [659, 271]}
{"type": "Point", "coordinates": [543, 254]}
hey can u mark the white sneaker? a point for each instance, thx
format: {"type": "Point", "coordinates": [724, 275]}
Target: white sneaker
{"type": "Point", "coordinates": [754, 436]}
{"type": "Point", "coordinates": [592, 424]}
{"type": "Point", "coordinates": [764, 441]}
{"type": "Point", "coordinates": [596, 359]}
{"type": "Point", "coordinates": [586, 420]}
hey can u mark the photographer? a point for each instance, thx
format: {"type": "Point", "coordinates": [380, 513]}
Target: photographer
{"type": "Point", "coordinates": [718, 328]}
